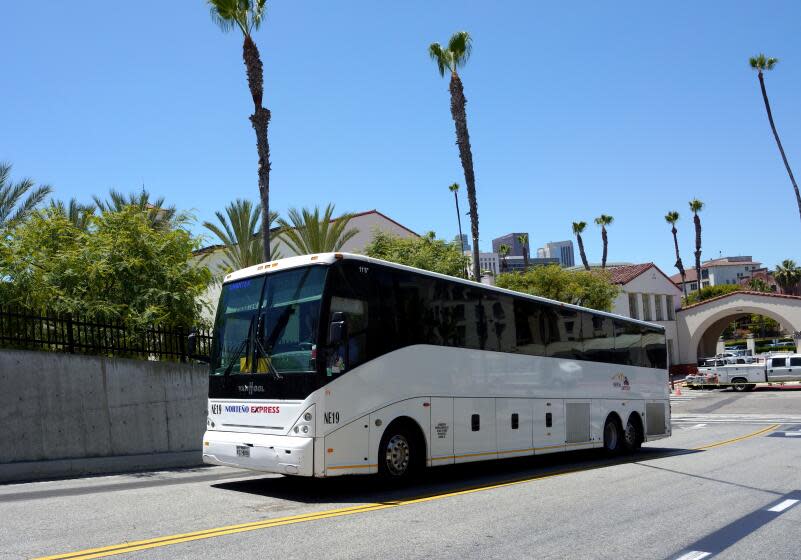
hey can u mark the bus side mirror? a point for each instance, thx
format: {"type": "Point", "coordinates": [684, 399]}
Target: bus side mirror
{"type": "Point", "coordinates": [337, 329]}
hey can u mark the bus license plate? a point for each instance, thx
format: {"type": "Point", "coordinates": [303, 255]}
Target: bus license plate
{"type": "Point", "coordinates": [242, 451]}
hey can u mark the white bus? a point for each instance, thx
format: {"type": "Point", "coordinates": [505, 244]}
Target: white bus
{"type": "Point", "coordinates": [334, 364]}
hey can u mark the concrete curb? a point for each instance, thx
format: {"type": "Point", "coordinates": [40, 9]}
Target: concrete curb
{"type": "Point", "coordinates": [67, 468]}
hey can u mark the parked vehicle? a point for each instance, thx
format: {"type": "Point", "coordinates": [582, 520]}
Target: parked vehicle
{"type": "Point", "coordinates": [778, 368]}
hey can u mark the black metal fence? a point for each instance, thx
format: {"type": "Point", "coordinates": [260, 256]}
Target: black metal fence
{"type": "Point", "coordinates": [73, 334]}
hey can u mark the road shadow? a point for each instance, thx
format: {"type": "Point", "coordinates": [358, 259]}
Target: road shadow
{"type": "Point", "coordinates": [440, 480]}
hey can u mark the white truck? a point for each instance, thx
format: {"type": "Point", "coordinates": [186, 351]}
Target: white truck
{"type": "Point", "coordinates": [779, 368]}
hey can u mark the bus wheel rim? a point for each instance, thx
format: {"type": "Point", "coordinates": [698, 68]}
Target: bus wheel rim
{"type": "Point", "coordinates": [397, 455]}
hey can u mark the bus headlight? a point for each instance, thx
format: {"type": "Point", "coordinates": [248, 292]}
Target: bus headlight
{"type": "Point", "coordinates": [305, 425]}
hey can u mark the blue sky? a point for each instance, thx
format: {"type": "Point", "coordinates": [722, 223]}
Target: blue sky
{"type": "Point", "coordinates": [574, 108]}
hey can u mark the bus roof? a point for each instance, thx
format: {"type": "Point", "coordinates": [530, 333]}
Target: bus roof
{"type": "Point", "coordinates": [330, 258]}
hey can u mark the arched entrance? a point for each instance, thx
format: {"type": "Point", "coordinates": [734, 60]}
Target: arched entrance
{"type": "Point", "coordinates": [700, 325]}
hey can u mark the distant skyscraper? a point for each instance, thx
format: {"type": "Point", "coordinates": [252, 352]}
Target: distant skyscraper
{"type": "Point", "coordinates": [515, 247]}
{"type": "Point", "coordinates": [562, 250]}
{"type": "Point", "coordinates": [465, 242]}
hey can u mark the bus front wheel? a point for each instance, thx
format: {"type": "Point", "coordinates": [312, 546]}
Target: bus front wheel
{"type": "Point", "coordinates": [399, 453]}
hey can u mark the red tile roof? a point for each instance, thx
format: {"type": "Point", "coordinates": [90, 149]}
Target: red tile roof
{"type": "Point", "coordinates": [626, 273]}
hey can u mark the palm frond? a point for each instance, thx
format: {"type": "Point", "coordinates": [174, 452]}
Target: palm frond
{"type": "Point", "coordinates": [672, 217]}
{"type": "Point", "coordinates": [460, 46]}
{"type": "Point", "coordinates": [454, 187]}
{"type": "Point", "coordinates": [307, 232]}
{"type": "Point", "coordinates": [696, 205]}
{"type": "Point", "coordinates": [438, 55]}
{"type": "Point", "coordinates": [578, 227]}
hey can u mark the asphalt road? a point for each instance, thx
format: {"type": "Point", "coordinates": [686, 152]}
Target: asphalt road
{"type": "Point", "coordinates": [709, 489]}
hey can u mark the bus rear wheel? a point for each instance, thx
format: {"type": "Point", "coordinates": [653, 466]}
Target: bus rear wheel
{"type": "Point", "coordinates": [613, 436]}
{"type": "Point", "coordinates": [633, 436]}
{"type": "Point", "coordinates": [399, 453]}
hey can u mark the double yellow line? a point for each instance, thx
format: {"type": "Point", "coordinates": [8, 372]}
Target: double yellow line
{"type": "Point", "coordinates": [364, 508]}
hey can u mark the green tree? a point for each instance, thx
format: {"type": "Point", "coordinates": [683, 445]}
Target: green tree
{"type": "Point", "coordinates": [78, 214]}
{"type": "Point", "coordinates": [247, 16]}
{"type": "Point", "coordinates": [586, 288]}
{"type": "Point", "coordinates": [695, 207]}
{"type": "Point", "coordinates": [239, 232]}
{"type": "Point", "coordinates": [119, 268]}
{"type": "Point", "coordinates": [307, 232]}
{"type": "Point", "coordinates": [14, 204]}
{"type": "Point", "coordinates": [159, 215]}
{"type": "Point", "coordinates": [523, 240]}
{"type": "Point", "coordinates": [451, 58]}
{"type": "Point", "coordinates": [787, 275]}
{"type": "Point", "coordinates": [436, 255]}
{"type": "Point", "coordinates": [578, 229]}
{"type": "Point", "coordinates": [503, 252]}
{"type": "Point", "coordinates": [710, 292]}
{"type": "Point", "coordinates": [603, 220]}
{"type": "Point", "coordinates": [762, 64]}
{"type": "Point", "coordinates": [672, 218]}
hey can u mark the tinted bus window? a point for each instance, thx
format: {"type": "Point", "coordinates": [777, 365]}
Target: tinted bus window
{"type": "Point", "coordinates": [529, 331]}
{"type": "Point", "coordinates": [654, 352]}
{"type": "Point", "coordinates": [564, 334]}
{"type": "Point", "coordinates": [628, 344]}
{"type": "Point", "coordinates": [598, 334]}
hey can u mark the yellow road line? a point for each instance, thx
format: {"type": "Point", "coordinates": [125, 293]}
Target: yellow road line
{"type": "Point", "coordinates": [302, 518]}
{"type": "Point", "coordinates": [741, 438]}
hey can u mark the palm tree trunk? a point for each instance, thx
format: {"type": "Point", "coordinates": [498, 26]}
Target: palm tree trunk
{"type": "Point", "coordinates": [679, 264]}
{"type": "Point", "coordinates": [525, 257]}
{"type": "Point", "coordinates": [606, 244]}
{"type": "Point", "coordinates": [581, 251]}
{"type": "Point", "coordinates": [697, 222]}
{"type": "Point", "coordinates": [779, 142]}
{"type": "Point", "coordinates": [260, 119]}
{"type": "Point", "coordinates": [459, 221]}
{"type": "Point", "coordinates": [459, 114]}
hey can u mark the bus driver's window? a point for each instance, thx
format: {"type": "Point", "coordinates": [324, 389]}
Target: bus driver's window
{"type": "Point", "coordinates": [352, 351]}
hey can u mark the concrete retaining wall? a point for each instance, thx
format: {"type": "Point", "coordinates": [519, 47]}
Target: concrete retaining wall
{"type": "Point", "coordinates": [65, 415]}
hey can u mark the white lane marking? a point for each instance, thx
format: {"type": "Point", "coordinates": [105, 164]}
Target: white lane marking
{"type": "Point", "coordinates": [694, 555]}
{"type": "Point", "coordinates": [783, 505]}
{"type": "Point", "coordinates": [792, 434]}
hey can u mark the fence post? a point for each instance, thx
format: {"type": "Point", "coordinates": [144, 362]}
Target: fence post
{"type": "Point", "coordinates": [182, 338]}
{"type": "Point", "coordinates": [70, 338]}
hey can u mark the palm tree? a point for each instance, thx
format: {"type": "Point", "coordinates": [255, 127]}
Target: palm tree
{"type": "Point", "coordinates": [159, 215]}
{"type": "Point", "coordinates": [12, 206]}
{"type": "Point", "coordinates": [78, 214]}
{"type": "Point", "coordinates": [247, 15]}
{"type": "Point", "coordinates": [695, 207]}
{"type": "Point", "coordinates": [761, 63]}
{"type": "Point", "coordinates": [454, 188]}
{"type": "Point", "coordinates": [523, 240]}
{"type": "Point", "coordinates": [787, 275]}
{"type": "Point", "coordinates": [578, 229]}
{"type": "Point", "coordinates": [238, 230]}
{"type": "Point", "coordinates": [451, 58]}
{"type": "Point", "coordinates": [503, 251]}
{"type": "Point", "coordinates": [307, 232]}
{"type": "Point", "coordinates": [603, 220]}
{"type": "Point", "coordinates": [671, 218]}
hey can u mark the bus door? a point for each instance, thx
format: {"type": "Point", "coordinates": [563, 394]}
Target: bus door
{"type": "Point", "coordinates": [549, 426]}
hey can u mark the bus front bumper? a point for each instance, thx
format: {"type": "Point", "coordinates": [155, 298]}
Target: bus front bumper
{"type": "Point", "coordinates": [260, 452]}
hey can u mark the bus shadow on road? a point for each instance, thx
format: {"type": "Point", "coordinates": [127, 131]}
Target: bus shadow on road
{"type": "Point", "coordinates": [450, 479]}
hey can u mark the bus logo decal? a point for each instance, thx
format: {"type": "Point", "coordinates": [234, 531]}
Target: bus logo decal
{"type": "Point", "coordinates": [251, 388]}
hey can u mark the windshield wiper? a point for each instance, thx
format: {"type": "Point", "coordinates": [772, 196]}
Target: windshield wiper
{"type": "Point", "coordinates": [239, 349]}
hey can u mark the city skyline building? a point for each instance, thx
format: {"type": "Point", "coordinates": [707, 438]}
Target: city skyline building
{"type": "Point", "coordinates": [562, 250]}
{"type": "Point", "coordinates": [516, 249]}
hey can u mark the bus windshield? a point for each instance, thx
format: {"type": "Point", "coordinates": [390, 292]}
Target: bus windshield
{"type": "Point", "coordinates": [269, 323]}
